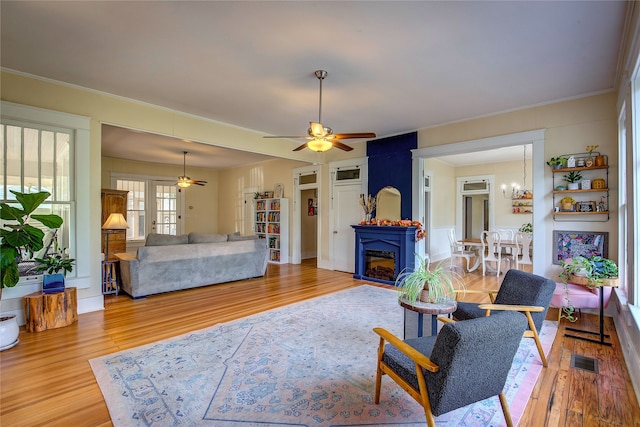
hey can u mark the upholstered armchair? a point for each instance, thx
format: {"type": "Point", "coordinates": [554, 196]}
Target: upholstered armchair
{"type": "Point", "coordinates": [465, 363]}
{"type": "Point", "coordinates": [520, 291]}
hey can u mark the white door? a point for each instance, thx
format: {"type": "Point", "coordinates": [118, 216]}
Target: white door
{"type": "Point", "coordinates": [165, 206]}
{"type": "Point", "coordinates": [248, 214]}
{"type": "Point", "coordinates": [347, 212]}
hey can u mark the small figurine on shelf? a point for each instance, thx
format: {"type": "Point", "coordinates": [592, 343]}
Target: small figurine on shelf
{"type": "Point", "coordinates": [590, 160]}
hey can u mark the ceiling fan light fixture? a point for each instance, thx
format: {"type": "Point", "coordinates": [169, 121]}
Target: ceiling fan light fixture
{"type": "Point", "coordinates": [319, 144]}
{"type": "Point", "coordinates": [184, 181]}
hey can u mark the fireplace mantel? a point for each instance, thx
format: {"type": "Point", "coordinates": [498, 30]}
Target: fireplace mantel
{"type": "Point", "coordinates": [401, 241]}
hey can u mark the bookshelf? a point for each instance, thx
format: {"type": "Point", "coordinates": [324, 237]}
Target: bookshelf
{"type": "Point", "coordinates": [272, 224]}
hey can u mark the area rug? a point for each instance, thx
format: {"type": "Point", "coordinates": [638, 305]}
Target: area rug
{"type": "Point", "coordinates": [307, 364]}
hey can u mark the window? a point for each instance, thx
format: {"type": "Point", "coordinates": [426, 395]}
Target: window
{"type": "Point", "coordinates": [136, 215]}
{"type": "Point", "coordinates": [153, 206]}
{"type": "Point", "coordinates": [39, 158]}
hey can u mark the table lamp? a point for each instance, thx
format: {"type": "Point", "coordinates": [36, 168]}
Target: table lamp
{"type": "Point", "coordinates": [115, 222]}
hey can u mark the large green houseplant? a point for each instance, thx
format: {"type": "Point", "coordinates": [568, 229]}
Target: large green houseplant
{"type": "Point", "coordinates": [18, 238]}
{"type": "Point", "coordinates": [438, 283]}
{"type": "Point", "coordinates": [592, 272]}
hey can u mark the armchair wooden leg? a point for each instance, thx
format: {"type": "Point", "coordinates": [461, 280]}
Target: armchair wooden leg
{"type": "Point", "coordinates": [376, 398]}
{"type": "Point", "coordinates": [505, 409]}
{"type": "Point", "coordinates": [533, 333]}
{"type": "Point", "coordinates": [424, 397]}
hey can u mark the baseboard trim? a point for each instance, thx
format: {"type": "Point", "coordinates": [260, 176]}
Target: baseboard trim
{"type": "Point", "coordinates": [87, 305]}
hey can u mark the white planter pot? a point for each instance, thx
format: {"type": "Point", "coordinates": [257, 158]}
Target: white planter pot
{"type": "Point", "coordinates": [573, 185]}
{"type": "Point", "coordinates": [9, 331]}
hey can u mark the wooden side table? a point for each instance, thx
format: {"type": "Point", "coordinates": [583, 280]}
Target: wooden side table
{"type": "Point", "coordinates": [110, 277]}
{"type": "Point", "coordinates": [49, 311]}
{"type": "Point", "coordinates": [432, 309]}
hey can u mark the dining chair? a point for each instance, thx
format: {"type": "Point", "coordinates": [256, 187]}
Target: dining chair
{"type": "Point", "coordinates": [458, 250]}
{"type": "Point", "coordinates": [506, 235]}
{"type": "Point", "coordinates": [523, 248]}
{"type": "Point", "coordinates": [492, 252]}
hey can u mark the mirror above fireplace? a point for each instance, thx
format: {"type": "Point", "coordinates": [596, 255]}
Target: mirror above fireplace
{"type": "Point", "coordinates": [388, 204]}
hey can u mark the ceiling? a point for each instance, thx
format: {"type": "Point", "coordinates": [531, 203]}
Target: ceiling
{"type": "Point", "coordinates": [393, 66]}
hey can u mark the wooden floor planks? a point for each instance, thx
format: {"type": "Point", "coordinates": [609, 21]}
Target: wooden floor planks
{"type": "Point", "coordinates": [46, 380]}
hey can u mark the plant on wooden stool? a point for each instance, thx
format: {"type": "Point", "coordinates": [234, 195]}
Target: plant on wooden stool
{"type": "Point", "coordinates": [55, 264]}
{"type": "Point", "coordinates": [437, 284]}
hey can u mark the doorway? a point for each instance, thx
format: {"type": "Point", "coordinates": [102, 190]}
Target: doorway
{"type": "Point", "coordinates": [534, 137]}
{"type": "Point", "coordinates": [309, 224]}
{"type": "Point", "coordinates": [476, 215]}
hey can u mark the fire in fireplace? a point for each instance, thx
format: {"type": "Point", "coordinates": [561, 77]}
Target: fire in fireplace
{"type": "Point", "coordinates": [380, 264]}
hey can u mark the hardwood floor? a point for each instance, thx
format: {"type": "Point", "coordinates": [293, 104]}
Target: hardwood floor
{"type": "Point", "coordinates": [46, 379]}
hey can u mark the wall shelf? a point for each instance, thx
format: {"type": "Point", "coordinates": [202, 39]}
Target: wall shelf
{"type": "Point", "coordinates": [589, 174]}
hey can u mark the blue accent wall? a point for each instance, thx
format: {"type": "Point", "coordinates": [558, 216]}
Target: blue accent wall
{"type": "Point", "coordinates": [390, 164]}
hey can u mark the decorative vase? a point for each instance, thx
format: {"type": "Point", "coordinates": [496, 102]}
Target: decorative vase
{"type": "Point", "coordinates": [52, 283]}
{"type": "Point", "coordinates": [9, 331]}
{"type": "Point", "coordinates": [601, 160]}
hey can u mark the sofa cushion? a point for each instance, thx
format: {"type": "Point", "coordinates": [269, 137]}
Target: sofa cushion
{"type": "Point", "coordinates": [206, 238]}
{"type": "Point", "coordinates": [235, 237]}
{"type": "Point", "coordinates": [154, 239]}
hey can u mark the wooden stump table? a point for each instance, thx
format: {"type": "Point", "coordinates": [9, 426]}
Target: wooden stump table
{"type": "Point", "coordinates": [49, 311]}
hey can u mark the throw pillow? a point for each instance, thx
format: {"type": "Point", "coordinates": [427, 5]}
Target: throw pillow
{"type": "Point", "coordinates": [154, 239]}
{"type": "Point", "coordinates": [206, 238]}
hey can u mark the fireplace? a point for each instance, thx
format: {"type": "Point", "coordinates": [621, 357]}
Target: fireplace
{"type": "Point", "coordinates": [380, 264]}
{"type": "Point", "coordinates": [382, 252]}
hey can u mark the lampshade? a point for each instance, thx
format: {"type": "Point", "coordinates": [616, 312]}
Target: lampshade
{"type": "Point", "coordinates": [319, 144]}
{"type": "Point", "coordinates": [115, 221]}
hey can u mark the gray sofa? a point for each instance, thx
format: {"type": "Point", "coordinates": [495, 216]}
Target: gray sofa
{"type": "Point", "coordinates": [169, 263]}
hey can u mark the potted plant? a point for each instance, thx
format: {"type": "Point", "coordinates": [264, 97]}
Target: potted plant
{"type": "Point", "coordinates": [557, 162]}
{"type": "Point", "coordinates": [18, 238]}
{"type": "Point", "coordinates": [427, 285]}
{"type": "Point", "coordinates": [592, 272]}
{"type": "Point", "coordinates": [567, 203]}
{"type": "Point", "coordinates": [573, 178]}
{"type": "Point", "coordinates": [53, 281]}
{"type": "Point", "coordinates": [526, 228]}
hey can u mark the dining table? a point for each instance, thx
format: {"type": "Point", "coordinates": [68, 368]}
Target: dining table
{"type": "Point", "coordinates": [476, 246]}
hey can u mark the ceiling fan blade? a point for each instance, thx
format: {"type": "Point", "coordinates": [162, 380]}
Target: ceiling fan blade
{"type": "Point", "coordinates": [352, 135]}
{"type": "Point", "coordinates": [287, 136]}
{"type": "Point", "coordinates": [201, 183]}
{"type": "Point", "coordinates": [303, 146]}
{"type": "Point", "coordinates": [340, 145]}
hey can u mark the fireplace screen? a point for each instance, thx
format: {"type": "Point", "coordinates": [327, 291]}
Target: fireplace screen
{"type": "Point", "coordinates": [380, 264]}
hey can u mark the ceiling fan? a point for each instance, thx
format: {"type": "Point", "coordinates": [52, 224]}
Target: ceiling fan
{"type": "Point", "coordinates": [322, 138]}
{"type": "Point", "coordinates": [184, 181]}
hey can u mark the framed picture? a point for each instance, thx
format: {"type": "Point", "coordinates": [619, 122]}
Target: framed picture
{"type": "Point", "coordinates": [569, 244]}
{"type": "Point", "coordinates": [586, 207]}
{"type": "Point", "coordinates": [278, 191]}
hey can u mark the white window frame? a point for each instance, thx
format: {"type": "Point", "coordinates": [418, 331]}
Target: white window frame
{"type": "Point", "coordinates": [83, 244]}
